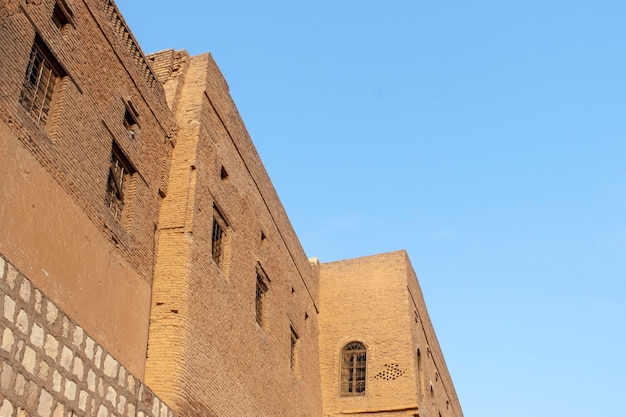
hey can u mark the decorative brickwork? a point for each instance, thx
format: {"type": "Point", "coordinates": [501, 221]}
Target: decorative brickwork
{"type": "Point", "coordinates": [127, 38]}
{"type": "Point", "coordinates": [51, 367]}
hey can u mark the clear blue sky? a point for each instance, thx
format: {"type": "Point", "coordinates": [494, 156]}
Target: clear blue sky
{"type": "Point", "coordinates": [487, 138]}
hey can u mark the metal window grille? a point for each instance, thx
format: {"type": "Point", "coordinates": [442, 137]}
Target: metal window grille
{"type": "Point", "coordinates": [353, 367]}
{"type": "Point", "coordinates": [261, 289]}
{"type": "Point", "coordinates": [217, 242]}
{"type": "Point", "coordinates": [39, 83]}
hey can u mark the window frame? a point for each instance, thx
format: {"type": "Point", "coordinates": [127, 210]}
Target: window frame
{"type": "Point", "coordinates": [42, 80]}
{"type": "Point", "coordinates": [353, 372]}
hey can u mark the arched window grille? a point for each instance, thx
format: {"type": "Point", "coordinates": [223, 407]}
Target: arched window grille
{"type": "Point", "coordinates": [353, 366]}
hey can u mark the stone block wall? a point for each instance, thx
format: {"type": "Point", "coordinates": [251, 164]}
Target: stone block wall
{"type": "Point", "coordinates": [51, 367]}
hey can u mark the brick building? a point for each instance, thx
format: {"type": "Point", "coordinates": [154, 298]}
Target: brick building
{"type": "Point", "coordinates": [147, 266]}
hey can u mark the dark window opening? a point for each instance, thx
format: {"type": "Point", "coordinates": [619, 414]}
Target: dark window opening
{"type": "Point", "coordinates": [353, 369]}
{"type": "Point", "coordinates": [131, 122]}
{"type": "Point", "coordinates": [223, 174]}
{"type": "Point", "coordinates": [42, 76]}
{"type": "Point", "coordinates": [420, 376]}
{"type": "Point", "coordinates": [120, 175]}
{"type": "Point", "coordinates": [61, 18]}
{"type": "Point", "coordinates": [259, 300]}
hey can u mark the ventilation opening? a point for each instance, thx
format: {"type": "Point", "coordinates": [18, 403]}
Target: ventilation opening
{"type": "Point", "coordinates": [391, 373]}
{"type": "Point", "coordinates": [223, 174]}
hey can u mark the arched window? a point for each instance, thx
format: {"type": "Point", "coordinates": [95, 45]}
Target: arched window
{"type": "Point", "coordinates": [353, 365]}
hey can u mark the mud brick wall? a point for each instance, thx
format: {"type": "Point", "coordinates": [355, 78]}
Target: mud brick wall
{"type": "Point", "coordinates": [50, 367]}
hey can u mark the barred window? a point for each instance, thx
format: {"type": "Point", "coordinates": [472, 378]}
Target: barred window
{"type": "Point", "coordinates": [42, 75]}
{"type": "Point", "coordinates": [120, 174]}
{"type": "Point", "coordinates": [353, 367]}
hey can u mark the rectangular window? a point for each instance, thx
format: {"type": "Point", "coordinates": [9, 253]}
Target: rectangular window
{"type": "Point", "coordinates": [60, 17]}
{"type": "Point", "coordinates": [120, 175]}
{"type": "Point", "coordinates": [261, 289]}
{"type": "Point", "coordinates": [220, 240]}
{"type": "Point", "coordinates": [42, 76]}
{"type": "Point", "coordinates": [353, 367]}
{"type": "Point", "coordinates": [131, 119]}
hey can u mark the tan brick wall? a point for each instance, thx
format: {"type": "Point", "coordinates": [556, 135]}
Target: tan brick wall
{"type": "Point", "coordinates": [374, 300]}
{"type": "Point", "coordinates": [203, 325]}
{"type": "Point", "coordinates": [145, 289]}
{"type": "Point", "coordinates": [443, 399]}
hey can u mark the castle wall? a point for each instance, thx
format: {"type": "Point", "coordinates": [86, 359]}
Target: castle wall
{"type": "Point", "coordinates": [204, 309]}
{"type": "Point", "coordinates": [55, 225]}
{"type": "Point", "coordinates": [376, 300]}
{"type": "Point", "coordinates": [365, 300]}
{"type": "Point", "coordinates": [142, 244]}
